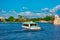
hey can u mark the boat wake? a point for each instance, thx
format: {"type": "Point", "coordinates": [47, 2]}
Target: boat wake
{"type": "Point", "coordinates": [19, 31]}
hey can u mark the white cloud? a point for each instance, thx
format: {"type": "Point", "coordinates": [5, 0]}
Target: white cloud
{"type": "Point", "coordinates": [31, 14]}
{"type": "Point", "coordinates": [24, 7]}
{"type": "Point", "coordinates": [52, 11]}
{"type": "Point", "coordinates": [3, 11]}
{"type": "Point", "coordinates": [27, 13]}
{"type": "Point", "coordinates": [45, 9]}
{"type": "Point", "coordinates": [38, 14]}
{"type": "Point", "coordinates": [10, 13]}
{"type": "Point", "coordinates": [56, 8]}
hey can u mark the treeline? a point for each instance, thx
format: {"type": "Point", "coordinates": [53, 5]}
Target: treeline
{"type": "Point", "coordinates": [25, 19]}
{"type": "Point", "coordinates": [19, 19]}
{"type": "Point", "coordinates": [47, 18]}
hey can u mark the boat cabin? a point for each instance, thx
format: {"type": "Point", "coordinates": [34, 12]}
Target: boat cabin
{"type": "Point", "coordinates": [30, 25]}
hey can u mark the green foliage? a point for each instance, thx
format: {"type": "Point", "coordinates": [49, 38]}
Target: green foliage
{"type": "Point", "coordinates": [49, 18]}
{"type": "Point", "coordinates": [34, 19]}
{"type": "Point", "coordinates": [11, 19]}
{"type": "Point", "coordinates": [22, 18]}
{"type": "Point", "coordinates": [25, 19]}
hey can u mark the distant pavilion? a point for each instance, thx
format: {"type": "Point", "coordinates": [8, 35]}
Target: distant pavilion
{"type": "Point", "coordinates": [2, 19]}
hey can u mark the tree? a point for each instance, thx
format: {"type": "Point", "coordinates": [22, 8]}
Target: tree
{"type": "Point", "coordinates": [11, 19]}
{"type": "Point", "coordinates": [49, 18]}
{"type": "Point", "coordinates": [34, 19]}
{"type": "Point", "coordinates": [22, 18]}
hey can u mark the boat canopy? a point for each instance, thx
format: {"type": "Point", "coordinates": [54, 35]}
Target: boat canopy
{"type": "Point", "coordinates": [29, 22]}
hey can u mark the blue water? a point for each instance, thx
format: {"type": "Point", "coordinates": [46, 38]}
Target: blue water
{"type": "Point", "coordinates": [12, 31]}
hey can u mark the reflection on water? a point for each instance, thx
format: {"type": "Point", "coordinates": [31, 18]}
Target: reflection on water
{"type": "Point", "coordinates": [13, 31]}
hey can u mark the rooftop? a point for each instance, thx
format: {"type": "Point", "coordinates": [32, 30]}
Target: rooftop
{"type": "Point", "coordinates": [2, 18]}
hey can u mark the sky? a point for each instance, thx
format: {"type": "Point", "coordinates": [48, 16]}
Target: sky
{"type": "Point", "coordinates": [30, 8]}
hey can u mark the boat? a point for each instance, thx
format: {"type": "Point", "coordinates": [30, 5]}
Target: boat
{"type": "Point", "coordinates": [30, 26]}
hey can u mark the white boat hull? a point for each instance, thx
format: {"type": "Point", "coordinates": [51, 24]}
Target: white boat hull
{"type": "Point", "coordinates": [32, 28]}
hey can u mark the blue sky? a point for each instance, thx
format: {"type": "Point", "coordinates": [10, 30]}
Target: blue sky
{"type": "Point", "coordinates": [27, 6]}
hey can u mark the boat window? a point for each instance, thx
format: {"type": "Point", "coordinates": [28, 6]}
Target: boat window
{"type": "Point", "coordinates": [25, 25]}
{"type": "Point", "coordinates": [33, 24]}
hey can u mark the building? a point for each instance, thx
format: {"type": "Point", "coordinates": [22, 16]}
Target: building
{"type": "Point", "coordinates": [57, 20]}
{"type": "Point", "coordinates": [2, 19]}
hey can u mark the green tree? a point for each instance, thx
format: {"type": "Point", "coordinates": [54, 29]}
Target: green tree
{"type": "Point", "coordinates": [11, 19]}
{"type": "Point", "coordinates": [20, 18]}
{"type": "Point", "coordinates": [34, 19]}
{"type": "Point", "coordinates": [23, 18]}
{"type": "Point", "coordinates": [49, 18]}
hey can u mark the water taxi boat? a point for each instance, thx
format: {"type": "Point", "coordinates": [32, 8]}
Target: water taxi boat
{"type": "Point", "coordinates": [30, 26]}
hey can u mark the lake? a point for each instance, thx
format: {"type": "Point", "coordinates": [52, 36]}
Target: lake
{"type": "Point", "coordinates": [13, 31]}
